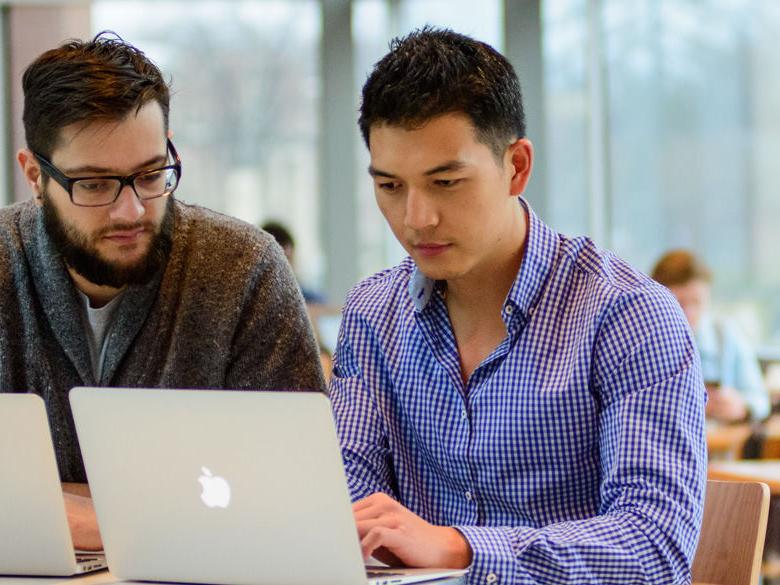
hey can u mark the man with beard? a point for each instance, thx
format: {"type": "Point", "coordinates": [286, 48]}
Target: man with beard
{"type": "Point", "coordinates": [106, 280]}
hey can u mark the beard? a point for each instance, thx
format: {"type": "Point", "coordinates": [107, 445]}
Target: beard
{"type": "Point", "coordinates": [80, 253]}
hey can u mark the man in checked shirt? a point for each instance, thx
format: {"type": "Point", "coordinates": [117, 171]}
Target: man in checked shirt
{"type": "Point", "coordinates": [507, 398]}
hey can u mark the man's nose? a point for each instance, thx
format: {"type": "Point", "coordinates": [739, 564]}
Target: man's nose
{"type": "Point", "coordinates": [421, 211]}
{"type": "Point", "coordinates": [127, 207]}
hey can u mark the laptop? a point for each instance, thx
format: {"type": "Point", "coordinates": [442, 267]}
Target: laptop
{"type": "Point", "coordinates": [220, 486]}
{"type": "Point", "coordinates": [34, 528]}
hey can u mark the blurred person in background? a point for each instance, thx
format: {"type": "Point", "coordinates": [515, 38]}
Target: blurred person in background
{"type": "Point", "coordinates": [731, 372]}
{"type": "Point", "coordinates": [316, 303]}
{"type": "Point", "coordinates": [284, 238]}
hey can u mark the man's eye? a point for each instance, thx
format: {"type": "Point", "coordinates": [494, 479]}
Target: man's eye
{"type": "Point", "coordinates": [95, 186]}
{"type": "Point", "coordinates": [447, 182]}
{"type": "Point", "coordinates": [150, 178]}
{"type": "Point", "coordinates": [388, 186]}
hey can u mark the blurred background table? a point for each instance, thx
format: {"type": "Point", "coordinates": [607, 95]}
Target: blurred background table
{"type": "Point", "coordinates": [725, 442]}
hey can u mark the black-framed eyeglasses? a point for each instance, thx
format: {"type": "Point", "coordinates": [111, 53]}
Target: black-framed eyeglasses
{"type": "Point", "coordinates": [104, 190]}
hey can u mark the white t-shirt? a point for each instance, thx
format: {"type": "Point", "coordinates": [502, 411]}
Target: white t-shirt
{"type": "Point", "coordinates": [97, 325]}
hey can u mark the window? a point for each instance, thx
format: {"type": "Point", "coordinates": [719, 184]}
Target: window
{"type": "Point", "coordinates": [245, 103]}
{"type": "Point", "coordinates": [683, 139]}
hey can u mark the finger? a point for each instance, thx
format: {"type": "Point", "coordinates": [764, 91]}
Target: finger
{"type": "Point", "coordinates": [361, 505]}
{"type": "Point", "coordinates": [374, 500]}
{"type": "Point", "coordinates": [390, 520]}
{"type": "Point", "coordinates": [388, 558]}
{"type": "Point", "coordinates": [363, 529]}
{"type": "Point", "coordinates": [379, 537]}
{"type": "Point", "coordinates": [369, 513]}
{"type": "Point", "coordinates": [375, 508]}
{"type": "Point", "coordinates": [69, 501]}
{"type": "Point", "coordinates": [366, 526]}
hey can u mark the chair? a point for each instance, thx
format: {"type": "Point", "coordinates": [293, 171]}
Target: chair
{"type": "Point", "coordinates": [732, 533]}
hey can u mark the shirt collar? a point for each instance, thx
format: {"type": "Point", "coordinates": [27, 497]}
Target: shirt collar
{"type": "Point", "coordinates": [540, 250]}
{"type": "Point", "coordinates": [420, 288]}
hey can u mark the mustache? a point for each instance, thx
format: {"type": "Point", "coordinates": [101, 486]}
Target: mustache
{"type": "Point", "coordinates": [124, 226]}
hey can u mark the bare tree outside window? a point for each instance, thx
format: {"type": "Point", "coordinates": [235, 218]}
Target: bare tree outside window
{"type": "Point", "coordinates": [245, 79]}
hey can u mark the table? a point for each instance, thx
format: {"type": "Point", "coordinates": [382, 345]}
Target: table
{"type": "Point", "coordinates": [726, 441]}
{"type": "Point", "coordinates": [106, 578]}
{"type": "Point", "coordinates": [768, 355]}
{"type": "Point", "coordinates": [766, 470]}
{"type": "Point", "coordinates": [98, 578]}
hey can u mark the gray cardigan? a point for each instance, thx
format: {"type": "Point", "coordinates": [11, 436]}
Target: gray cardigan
{"type": "Point", "coordinates": [225, 312]}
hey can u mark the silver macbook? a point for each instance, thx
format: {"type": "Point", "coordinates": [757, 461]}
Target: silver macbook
{"type": "Point", "coordinates": [229, 487]}
{"type": "Point", "coordinates": [33, 525]}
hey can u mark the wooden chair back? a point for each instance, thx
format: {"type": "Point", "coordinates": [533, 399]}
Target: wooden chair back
{"type": "Point", "coordinates": [732, 534]}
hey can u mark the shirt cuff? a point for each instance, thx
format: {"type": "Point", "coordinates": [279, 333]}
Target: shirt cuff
{"type": "Point", "coordinates": [493, 560]}
{"type": "Point", "coordinates": [360, 489]}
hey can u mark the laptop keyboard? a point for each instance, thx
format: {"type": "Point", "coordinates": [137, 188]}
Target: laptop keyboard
{"type": "Point", "coordinates": [376, 574]}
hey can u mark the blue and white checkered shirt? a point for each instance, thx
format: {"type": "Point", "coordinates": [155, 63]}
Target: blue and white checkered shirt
{"type": "Point", "coordinates": [576, 451]}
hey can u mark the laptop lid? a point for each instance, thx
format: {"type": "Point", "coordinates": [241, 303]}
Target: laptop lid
{"type": "Point", "coordinates": [33, 525]}
{"type": "Point", "coordinates": [218, 486]}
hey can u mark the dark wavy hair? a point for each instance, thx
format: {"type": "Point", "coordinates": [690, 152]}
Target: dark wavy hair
{"type": "Point", "coordinates": [83, 81]}
{"type": "Point", "coordinates": [432, 72]}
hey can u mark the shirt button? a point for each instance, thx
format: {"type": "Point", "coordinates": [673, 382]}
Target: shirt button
{"type": "Point", "coordinates": [464, 414]}
{"type": "Point", "coordinates": [469, 496]}
{"type": "Point", "coordinates": [508, 309]}
{"type": "Point", "coordinates": [491, 578]}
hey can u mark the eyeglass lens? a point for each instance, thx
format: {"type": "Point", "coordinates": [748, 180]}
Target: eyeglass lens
{"type": "Point", "coordinates": [102, 191]}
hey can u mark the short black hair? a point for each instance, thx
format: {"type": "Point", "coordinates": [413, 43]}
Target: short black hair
{"type": "Point", "coordinates": [280, 233]}
{"type": "Point", "coordinates": [102, 79]}
{"type": "Point", "coordinates": [434, 71]}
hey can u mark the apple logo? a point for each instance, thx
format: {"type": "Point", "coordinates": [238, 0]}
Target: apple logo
{"type": "Point", "coordinates": [216, 490]}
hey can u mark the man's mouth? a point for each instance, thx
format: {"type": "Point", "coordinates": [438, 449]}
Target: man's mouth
{"type": "Point", "coordinates": [431, 249]}
{"type": "Point", "coordinates": [125, 236]}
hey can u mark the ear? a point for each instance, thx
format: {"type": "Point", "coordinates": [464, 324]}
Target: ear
{"type": "Point", "coordinates": [521, 159]}
{"type": "Point", "coordinates": [170, 134]}
{"type": "Point", "coordinates": [32, 173]}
